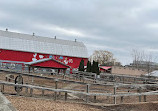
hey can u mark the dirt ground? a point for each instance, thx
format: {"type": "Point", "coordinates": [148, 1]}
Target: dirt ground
{"type": "Point", "coordinates": [133, 107]}
{"type": "Point", "coordinates": [31, 104]}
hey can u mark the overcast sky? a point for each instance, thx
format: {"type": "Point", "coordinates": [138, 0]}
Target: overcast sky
{"type": "Point", "coordinates": [114, 25]}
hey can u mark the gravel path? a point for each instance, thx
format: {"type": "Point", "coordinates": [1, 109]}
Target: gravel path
{"type": "Point", "coordinates": [31, 104]}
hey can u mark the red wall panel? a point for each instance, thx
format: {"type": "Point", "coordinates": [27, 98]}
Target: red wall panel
{"type": "Point", "coordinates": [73, 62]}
{"type": "Point", "coordinates": [50, 63]}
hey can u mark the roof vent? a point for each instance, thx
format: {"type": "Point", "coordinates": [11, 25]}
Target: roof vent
{"type": "Point", "coordinates": [6, 29]}
{"type": "Point", "coordinates": [55, 37]}
{"type": "Point", "coordinates": [33, 34]}
{"type": "Point", "coordinates": [75, 40]}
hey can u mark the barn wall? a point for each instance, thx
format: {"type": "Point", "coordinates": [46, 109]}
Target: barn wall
{"type": "Point", "coordinates": [127, 71]}
{"type": "Point", "coordinates": [73, 62]}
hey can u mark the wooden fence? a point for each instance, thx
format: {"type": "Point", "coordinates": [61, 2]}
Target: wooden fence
{"type": "Point", "coordinates": [87, 92]}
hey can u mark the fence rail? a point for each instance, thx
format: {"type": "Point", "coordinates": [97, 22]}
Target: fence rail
{"type": "Point", "coordinates": [87, 93]}
{"type": "Point", "coordinates": [114, 94]}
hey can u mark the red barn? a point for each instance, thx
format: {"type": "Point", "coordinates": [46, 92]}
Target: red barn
{"type": "Point", "coordinates": [25, 49]}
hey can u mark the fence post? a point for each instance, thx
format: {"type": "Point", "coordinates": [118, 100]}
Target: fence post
{"type": "Point", "coordinates": [123, 79]}
{"type": "Point", "coordinates": [32, 80]}
{"type": "Point", "coordinates": [139, 91]}
{"type": "Point", "coordinates": [121, 99]}
{"type": "Point", "coordinates": [134, 80]}
{"type": "Point", "coordinates": [95, 78]}
{"type": "Point", "coordinates": [42, 92]}
{"type": "Point", "coordinates": [77, 75]}
{"type": "Point", "coordinates": [65, 96]}
{"type": "Point", "coordinates": [95, 98]}
{"type": "Point", "coordinates": [144, 98]}
{"type": "Point", "coordinates": [31, 91]}
{"type": "Point", "coordinates": [2, 88]}
{"type": "Point", "coordinates": [83, 79]}
{"type": "Point", "coordinates": [115, 94]}
{"type": "Point", "coordinates": [81, 76]}
{"type": "Point", "coordinates": [56, 87]}
{"type": "Point", "coordinates": [114, 78]}
{"type": "Point", "coordinates": [26, 90]}
{"type": "Point", "coordinates": [87, 90]}
{"type": "Point", "coordinates": [64, 71]}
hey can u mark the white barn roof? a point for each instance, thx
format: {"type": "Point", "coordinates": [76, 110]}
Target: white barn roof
{"type": "Point", "coordinates": [38, 44]}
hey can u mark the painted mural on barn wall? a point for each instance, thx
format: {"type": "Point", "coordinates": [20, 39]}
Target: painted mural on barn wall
{"type": "Point", "coordinates": [62, 59]}
{"type": "Point", "coordinates": [11, 55]}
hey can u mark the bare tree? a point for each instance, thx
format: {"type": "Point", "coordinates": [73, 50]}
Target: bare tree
{"type": "Point", "coordinates": [143, 60]}
{"type": "Point", "coordinates": [138, 57]}
{"type": "Point", "coordinates": [102, 57]}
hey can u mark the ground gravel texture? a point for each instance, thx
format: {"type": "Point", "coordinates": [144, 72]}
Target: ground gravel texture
{"type": "Point", "coordinates": [31, 104]}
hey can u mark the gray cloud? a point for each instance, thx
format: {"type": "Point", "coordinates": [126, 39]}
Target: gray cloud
{"type": "Point", "coordinates": [114, 25]}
